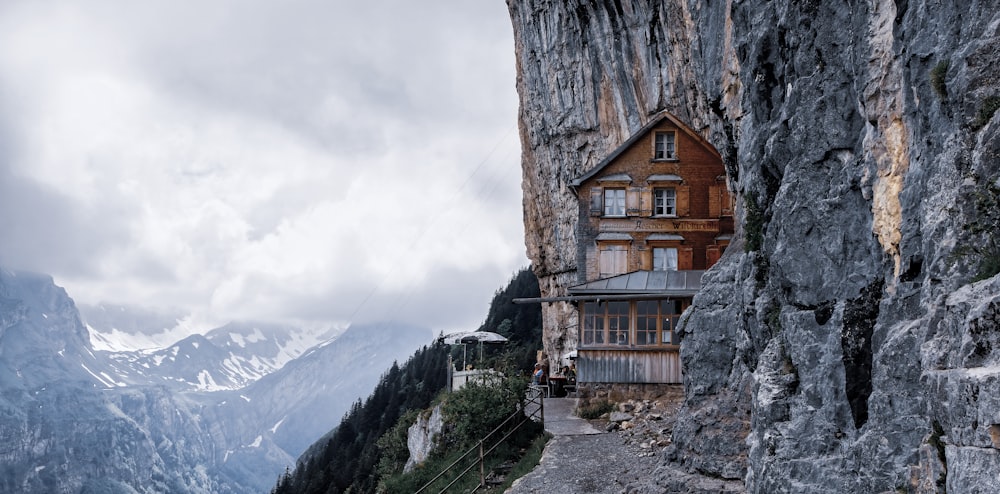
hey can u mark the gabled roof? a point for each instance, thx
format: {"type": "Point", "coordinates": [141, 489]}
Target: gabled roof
{"type": "Point", "coordinates": [640, 134]}
{"type": "Point", "coordinates": [676, 283]}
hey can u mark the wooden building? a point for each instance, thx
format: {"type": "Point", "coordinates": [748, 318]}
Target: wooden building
{"type": "Point", "coordinates": [654, 215]}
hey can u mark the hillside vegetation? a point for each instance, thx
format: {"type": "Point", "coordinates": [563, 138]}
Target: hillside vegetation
{"type": "Point", "coordinates": [368, 449]}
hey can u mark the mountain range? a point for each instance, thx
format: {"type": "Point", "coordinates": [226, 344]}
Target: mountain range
{"type": "Point", "coordinates": [83, 409]}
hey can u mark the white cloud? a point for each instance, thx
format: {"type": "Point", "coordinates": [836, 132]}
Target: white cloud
{"type": "Point", "coordinates": [295, 160]}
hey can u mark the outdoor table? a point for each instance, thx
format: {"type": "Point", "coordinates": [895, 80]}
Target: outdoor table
{"type": "Point", "coordinates": [558, 385]}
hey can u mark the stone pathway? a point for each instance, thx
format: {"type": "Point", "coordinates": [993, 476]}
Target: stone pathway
{"type": "Point", "coordinates": [581, 458]}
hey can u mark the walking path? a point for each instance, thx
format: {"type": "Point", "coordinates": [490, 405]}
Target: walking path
{"type": "Point", "coordinates": [561, 419]}
{"type": "Point", "coordinates": [581, 458]}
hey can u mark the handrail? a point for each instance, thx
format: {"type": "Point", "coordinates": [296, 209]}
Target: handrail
{"type": "Point", "coordinates": [540, 413]}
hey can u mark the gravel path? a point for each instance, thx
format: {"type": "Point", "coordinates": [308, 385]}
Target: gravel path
{"type": "Point", "coordinates": [597, 463]}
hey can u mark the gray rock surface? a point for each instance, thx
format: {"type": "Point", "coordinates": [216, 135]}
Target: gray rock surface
{"type": "Point", "coordinates": [420, 437]}
{"type": "Point", "coordinates": [69, 422]}
{"type": "Point", "coordinates": [842, 344]}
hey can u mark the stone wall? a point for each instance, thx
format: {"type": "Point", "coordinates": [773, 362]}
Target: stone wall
{"type": "Point", "coordinates": [843, 343]}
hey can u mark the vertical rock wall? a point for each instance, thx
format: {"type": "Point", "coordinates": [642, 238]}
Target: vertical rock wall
{"type": "Point", "coordinates": [843, 344]}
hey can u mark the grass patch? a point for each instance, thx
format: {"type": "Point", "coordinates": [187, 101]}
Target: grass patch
{"type": "Point", "coordinates": [754, 226]}
{"type": "Point", "coordinates": [595, 410]}
{"type": "Point", "coordinates": [938, 74]}
{"type": "Point", "coordinates": [527, 463]}
{"type": "Point", "coordinates": [987, 108]}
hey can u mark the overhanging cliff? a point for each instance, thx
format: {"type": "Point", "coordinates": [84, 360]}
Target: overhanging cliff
{"type": "Point", "coordinates": [842, 343]}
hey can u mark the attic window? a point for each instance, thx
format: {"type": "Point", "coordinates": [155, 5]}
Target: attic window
{"type": "Point", "coordinates": [664, 146]}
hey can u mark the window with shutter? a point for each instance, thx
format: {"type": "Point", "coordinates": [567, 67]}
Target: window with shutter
{"type": "Point", "coordinates": [712, 255]}
{"type": "Point", "coordinates": [646, 202]}
{"type": "Point", "coordinates": [614, 202]}
{"type": "Point", "coordinates": [664, 202]}
{"type": "Point", "coordinates": [683, 200]}
{"type": "Point", "coordinates": [596, 201]}
{"type": "Point", "coordinates": [685, 258]}
{"type": "Point", "coordinates": [714, 201]}
{"type": "Point", "coordinates": [727, 202]}
{"type": "Point", "coordinates": [632, 201]}
{"type": "Point", "coordinates": [613, 260]}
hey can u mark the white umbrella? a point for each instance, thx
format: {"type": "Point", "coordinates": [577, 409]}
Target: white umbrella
{"type": "Point", "coordinates": [479, 337]}
{"type": "Point", "coordinates": [474, 337]}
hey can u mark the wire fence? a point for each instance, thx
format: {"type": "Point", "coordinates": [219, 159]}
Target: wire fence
{"type": "Point", "coordinates": [476, 456]}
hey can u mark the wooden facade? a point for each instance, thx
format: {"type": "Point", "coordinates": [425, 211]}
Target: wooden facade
{"type": "Point", "coordinates": [658, 203]}
{"type": "Point", "coordinates": [628, 366]}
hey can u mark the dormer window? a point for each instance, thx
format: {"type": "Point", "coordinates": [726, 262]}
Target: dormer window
{"type": "Point", "coordinates": [664, 148]}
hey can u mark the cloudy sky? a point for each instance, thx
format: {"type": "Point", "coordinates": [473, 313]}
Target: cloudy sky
{"type": "Point", "coordinates": [303, 160]}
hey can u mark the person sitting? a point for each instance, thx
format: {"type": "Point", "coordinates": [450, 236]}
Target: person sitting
{"type": "Point", "coordinates": [538, 377]}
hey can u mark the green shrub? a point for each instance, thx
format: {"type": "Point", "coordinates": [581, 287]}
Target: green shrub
{"type": "Point", "coordinates": [392, 447]}
{"type": "Point", "coordinates": [938, 74]}
{"type": "Point", "coordinates": [469, 414]}
{"type": "Point", "coordinates": [595, 409]}
{"type": "Point", "coordinates": [987, 108]}
{"type": "Point", "coordinates": [527, 463]}
{"type": "Point", "coordinates": [479, 407]}
{"type": "Point", "coordinates": [754, 226]}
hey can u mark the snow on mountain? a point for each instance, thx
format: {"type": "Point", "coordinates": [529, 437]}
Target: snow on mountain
{"type": "Point", "coordinates": [145, 346]}
{"type": "Point", "coordinates": [125, 328]}
{"type": "Point", "coordinates": [222, 412]}
{"type": "Point", "coordinates": [226, 358]}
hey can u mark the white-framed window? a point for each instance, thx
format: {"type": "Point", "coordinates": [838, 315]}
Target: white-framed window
{"type": "Point", "coordinates": [613, 260]}
{"type": "Point", "coordinates": [664, 148]}
{"type": "Point", "coordinates": [642, 323]}
{"type": "Point", "coordinates": [664, 259]}
{"type": "Point", "coordinates": [614, 202]}
{"type": "Point", "coordinates": [606, 323]}
{"type": "Point", "coordinates": [665, 202]}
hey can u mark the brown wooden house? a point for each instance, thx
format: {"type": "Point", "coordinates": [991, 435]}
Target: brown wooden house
{"type": "Point", "coordinates": [654, 215]}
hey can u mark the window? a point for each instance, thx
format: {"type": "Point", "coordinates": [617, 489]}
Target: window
{"type": "Point", "coordinates": [664, 148]}
{"type": "Point", "coordinates": [670, 314]}
{"type": "Point", "coordinates": [664, 259]}
{"type": "Point", "coordinates": [613, 260]}
{"type": "Point", "coordinates": [594, 315]}
{"type": "Point", "coordinates": [614, 202]}
{"type": "Point", "coordinates": [646, 331]}
{"type": "Point", "coordinates": [605, 323]}
{"type": "Point", "coordinates": [665, 202]}
{"type": "Point", "coordinates": [611, 323]}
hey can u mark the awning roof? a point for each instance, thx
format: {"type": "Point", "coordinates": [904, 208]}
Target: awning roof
{"type": "Point", "coordinates": [664, 178]}
{"type": "Point", "coordinates": [637, 285]}
{"type": "Point", "coordinates": [617, 177]}
{"type": "Point", "coordinates": [676, 283]}
{"type": "Point", "coordinates": [664, 236]}
{"type": "Point", "coordinates": [612, 236]}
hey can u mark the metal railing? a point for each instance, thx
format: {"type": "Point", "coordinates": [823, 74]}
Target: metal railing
{"type": "Point", "coordinates": [534, 397]}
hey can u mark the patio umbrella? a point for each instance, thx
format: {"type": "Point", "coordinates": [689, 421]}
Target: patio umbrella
{"type": "Point", "coordinates": [473, 337]}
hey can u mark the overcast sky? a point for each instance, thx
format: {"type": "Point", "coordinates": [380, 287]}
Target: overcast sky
{"type": "Point", "coordinates": [305, 160]}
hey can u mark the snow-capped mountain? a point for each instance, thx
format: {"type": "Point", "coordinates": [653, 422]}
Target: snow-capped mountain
{"type": "Point", "coordinates": [77, 420]}
{"type": "Point", "coordinates": [226, 358]}
{"type": "Point", "coordinates": [125, 328]}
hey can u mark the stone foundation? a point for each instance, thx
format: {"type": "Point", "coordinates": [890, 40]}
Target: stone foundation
{"type": "Point", "coordinates": [589, 393]}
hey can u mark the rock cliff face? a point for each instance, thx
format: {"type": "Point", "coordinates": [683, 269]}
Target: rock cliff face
{"type": "Point", "coordinates": [843, 343]}
{"type": "Point", "coordinates": [70, 422]}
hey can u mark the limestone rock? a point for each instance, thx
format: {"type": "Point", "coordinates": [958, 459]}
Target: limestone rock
{"type": "Point", "coordinates": [843, 331]}
{"type": "Point", "coordinates": [420, 437]}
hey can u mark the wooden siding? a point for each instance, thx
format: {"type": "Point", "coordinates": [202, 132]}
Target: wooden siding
{"type": "Point", "coordinates": [628, 366]}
